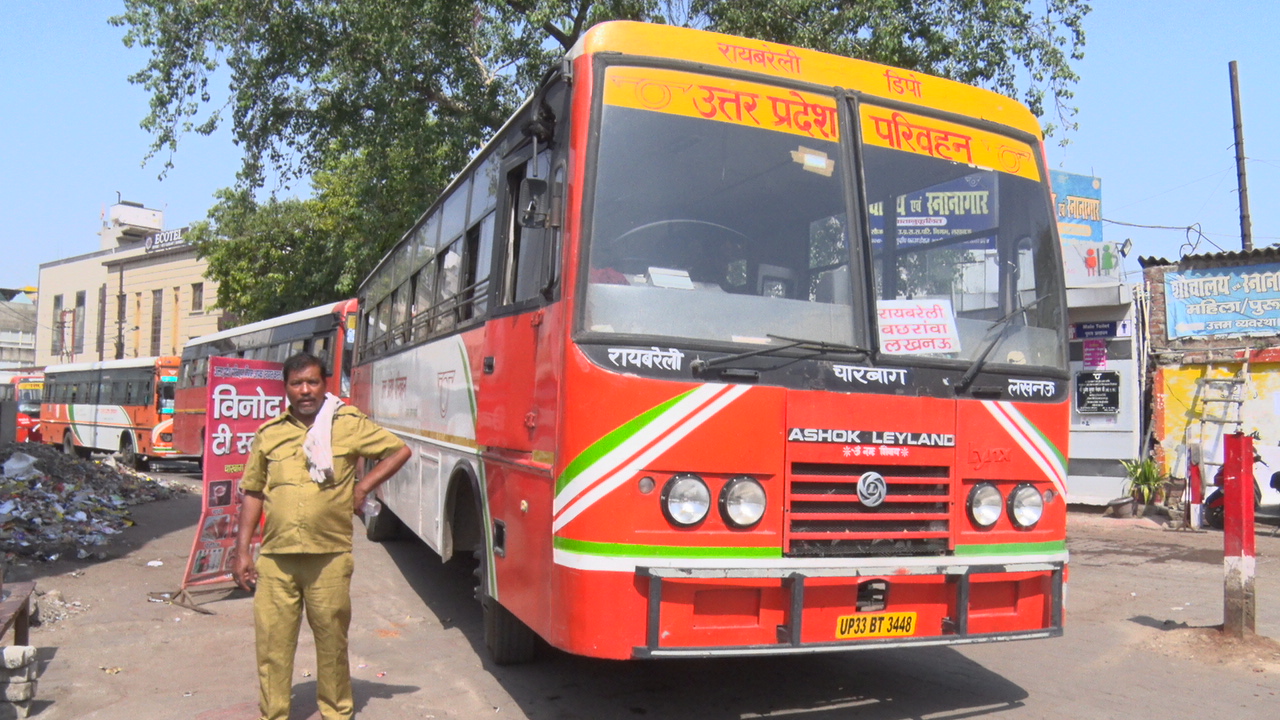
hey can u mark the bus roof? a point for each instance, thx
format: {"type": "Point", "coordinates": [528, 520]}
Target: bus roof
{"type": "Point", "coordinates": [317, 311]}
{"type": "Point", "coordinates": [112, 364]}
{"type": "Point", "coordinates": [793, 63]}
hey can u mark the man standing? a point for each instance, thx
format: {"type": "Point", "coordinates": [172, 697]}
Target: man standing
{"type": "Point", "coordinates": [301, 471]}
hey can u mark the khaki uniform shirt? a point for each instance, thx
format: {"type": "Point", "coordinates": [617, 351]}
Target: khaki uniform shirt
{"type": "Point", "coordinates": [304, 516]}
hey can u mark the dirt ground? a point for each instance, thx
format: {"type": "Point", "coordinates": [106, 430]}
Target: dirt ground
{"type": "Point", "coordinates": [1141, 608]}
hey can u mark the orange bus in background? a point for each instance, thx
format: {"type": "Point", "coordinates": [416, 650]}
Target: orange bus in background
{"type": "Point", "coordinates": [26, 388]}
{"type": "Point", "coordinates": [115, 406]}
{"type": "Point", "coordinates": [722, 347]}
{"type": "Point", "coordinates": [327, 331]}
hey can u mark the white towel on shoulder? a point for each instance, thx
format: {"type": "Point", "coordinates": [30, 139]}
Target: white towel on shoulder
{"type": "Point", "coordinates": [318, 445]}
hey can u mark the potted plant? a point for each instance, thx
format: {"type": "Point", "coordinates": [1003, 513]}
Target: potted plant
{"type": "Point", "coordinates": [1144, 482]}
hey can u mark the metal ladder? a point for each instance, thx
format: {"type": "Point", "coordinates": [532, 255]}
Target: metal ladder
{"type": "Point", "coordinates": [1218, 403]}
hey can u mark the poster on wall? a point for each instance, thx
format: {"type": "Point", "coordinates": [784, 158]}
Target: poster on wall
{"type": "Point", "coordinates": [243, 394]}
{"type": "Point", "coordinates": [1086, 258]}
{"type": "Point", "coordinates": [1241, 300]}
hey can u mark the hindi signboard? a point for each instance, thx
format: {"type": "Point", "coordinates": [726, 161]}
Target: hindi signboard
{"type": "Point", "coordinates": [917, 327]}
{"type": "Point", "coordinates": [1086, 258]}
{"type": "Point", "coordinates": [1242, 300]}
{"type": "Point", "coordinates": [962, 207]}
{"type": "Point", "coordinates": [1097, 392]}
{"type": "Point", "coordinates": [243, 394]}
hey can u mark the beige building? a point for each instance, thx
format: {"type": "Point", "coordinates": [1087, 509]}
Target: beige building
{"type": "Point", "coordinates": [17, 331]}
{"type": "Point", "coordinates": [143, 293]}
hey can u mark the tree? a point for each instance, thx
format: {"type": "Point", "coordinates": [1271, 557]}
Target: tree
{"type": "Point", "coordinates": [401, 93]}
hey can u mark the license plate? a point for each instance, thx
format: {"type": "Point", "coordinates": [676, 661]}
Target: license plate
{"type": "Point", "coordinates": [876, 625]}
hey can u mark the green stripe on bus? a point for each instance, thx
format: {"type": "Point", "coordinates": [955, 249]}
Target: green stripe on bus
{"type": "Point", "coordinates": [1039, 548]}
{"type": "Point", "coordinates": [587, 547]}
{"type": "Point", "coordinates": [604, 445]}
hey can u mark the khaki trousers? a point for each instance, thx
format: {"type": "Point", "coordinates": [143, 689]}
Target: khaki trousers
{"type": "Point", "coordinates": [286, 584]}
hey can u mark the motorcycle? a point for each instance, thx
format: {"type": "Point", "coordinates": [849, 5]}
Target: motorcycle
{"type": "Point", "coordinates": [1212, 512]}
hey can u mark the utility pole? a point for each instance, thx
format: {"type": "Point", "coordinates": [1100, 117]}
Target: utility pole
{"type": "Point", "coordinates": [1246, 226]}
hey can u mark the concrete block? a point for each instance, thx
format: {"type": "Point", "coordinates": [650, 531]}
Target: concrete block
{"type": "Point", "coordinates": [19, 692]}
{"type": "Point", "coordinates": [22, 674]}
{"type": "Point", "coordinates": [16, 656]}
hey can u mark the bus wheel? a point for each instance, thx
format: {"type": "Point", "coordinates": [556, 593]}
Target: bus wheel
{"type": "Point", "coordinates": [129, 457]}
{"type": "Point", "coordinates": [384, 525]}
{"type": "Point", "coordinates": [509, 640]}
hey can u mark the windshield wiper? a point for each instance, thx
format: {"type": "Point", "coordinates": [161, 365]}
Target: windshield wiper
{"type": "Point", "coordinates": [995, 333]}
{"type": "Point", "coordinates": [819, 347]}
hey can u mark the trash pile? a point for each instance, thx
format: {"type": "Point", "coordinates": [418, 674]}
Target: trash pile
{"type": "Point", "coordinates": [53, 504]}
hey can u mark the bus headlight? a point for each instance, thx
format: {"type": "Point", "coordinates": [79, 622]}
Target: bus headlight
{"type": "Point", "coordinates": [1025, 506]}
{"type": "Point", "coordinates": [685, 500]}
{"type": "Point", "coordinates": [985, 505]}
{"type": "Point", "coordinates": [742, 502]}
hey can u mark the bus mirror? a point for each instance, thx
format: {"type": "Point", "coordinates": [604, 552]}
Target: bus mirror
{"type": "Point", "coordinates": [533, 203]}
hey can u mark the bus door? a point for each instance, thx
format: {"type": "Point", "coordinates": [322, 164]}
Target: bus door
{"type": "Point", "coordinates": [517, 342]}
{"type": "Point", "coordinates": [110, 420]}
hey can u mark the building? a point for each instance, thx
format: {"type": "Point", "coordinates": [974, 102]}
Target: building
{"type": "Point", "coordinates": [17, 329]}
{"type": "Point", "coordinates": [1215, 347]}
{"type": "Point", "coordinates": [142, 293]}
{"type": "Point", "coordinates": [1105, 358]}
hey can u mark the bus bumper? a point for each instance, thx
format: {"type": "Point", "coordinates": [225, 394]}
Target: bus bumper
{"type": "Point", "coordinates": [952, 604]}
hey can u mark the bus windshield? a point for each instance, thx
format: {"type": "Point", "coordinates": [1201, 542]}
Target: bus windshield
{"type": "Point", "coordinates": [717, 229]}
{"type": "Point", "coordinates": [719, 215]}
{"type": "Point", "coordinates": [29, 395]}
{"type": "Point", "coordinates": [963, 256]}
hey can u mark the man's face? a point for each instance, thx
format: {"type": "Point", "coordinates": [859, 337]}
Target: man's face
{"type": "Point", "coordinates": [305, 390]}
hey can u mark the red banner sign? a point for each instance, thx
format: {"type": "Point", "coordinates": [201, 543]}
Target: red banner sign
{"type": "Point", "coordinates": [243, 394]}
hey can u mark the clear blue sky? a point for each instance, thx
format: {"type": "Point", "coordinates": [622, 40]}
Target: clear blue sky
{"type": "Point", "coordinates": [1155, 125]}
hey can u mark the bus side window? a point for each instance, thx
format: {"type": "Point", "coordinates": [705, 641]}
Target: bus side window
{"type": "Point", "coordinates": [424, 292]}
{"type": "Point", "coordinates": [399, 314]}
{"type": "Point", "coordinates": [479, 258]}
{"type": "Point", "coordinates": [450, 271]}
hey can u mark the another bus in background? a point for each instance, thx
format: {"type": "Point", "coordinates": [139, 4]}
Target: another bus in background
{"type": "Point", "coordinates": [26, 388]}
{"type": "Point", "coordinates": [120, 406]}
{"type": "Point", "coordinates": [326, 331]}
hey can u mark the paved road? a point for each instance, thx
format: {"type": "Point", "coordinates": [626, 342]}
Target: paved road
{"type": "Point", "coordinates": [1136, 598]}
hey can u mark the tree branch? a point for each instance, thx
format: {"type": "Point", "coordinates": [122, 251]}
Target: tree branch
{"type": "Point", "coordinates": [549, 27]}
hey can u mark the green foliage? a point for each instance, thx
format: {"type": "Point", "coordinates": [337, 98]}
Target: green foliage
{"type": "Point", "coordinates": [378, 103]}
{"type": "Point", "coordinates": [1144, 478]}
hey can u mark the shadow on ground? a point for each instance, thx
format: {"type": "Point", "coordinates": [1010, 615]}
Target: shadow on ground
{"type": "Point", "coordinates": [871, 685]}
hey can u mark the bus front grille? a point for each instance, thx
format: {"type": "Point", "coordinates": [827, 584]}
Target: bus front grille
{"type": "Point", "coordinates": [826, 519]}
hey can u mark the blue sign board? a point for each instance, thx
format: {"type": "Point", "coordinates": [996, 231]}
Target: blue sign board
{"type": "Point", "coordinates": [1086, 258]}
{"type": "Point", "coordinates": [957, 207]}
{"type": "Point", "coordinates": [1095, 330]}
{"type": "Point", "coordinates": [1223, 301]}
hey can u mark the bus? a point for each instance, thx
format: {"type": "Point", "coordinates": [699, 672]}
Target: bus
{"type": "Point", "coordinates": [115, 406]}
{"type": "Point", "coordinates": [327, 330]}
{"type": "Point", "coordinates": [725, 348]}
{"type": "Point", "coordinates": [24, 387]}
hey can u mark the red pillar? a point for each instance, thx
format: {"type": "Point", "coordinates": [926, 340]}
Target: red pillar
{"type": "Point", "coordinates": [1239, 609]}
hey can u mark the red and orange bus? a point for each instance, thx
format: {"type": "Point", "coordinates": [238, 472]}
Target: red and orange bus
{"type": "Point", "coordinates": [118, 406]}
{"type": "Point", "coordinates": [326, 330]}
{"type": "Point", "coordinates": [722, 347]}
{"type": "Point", "coordinates": [25, 387]}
